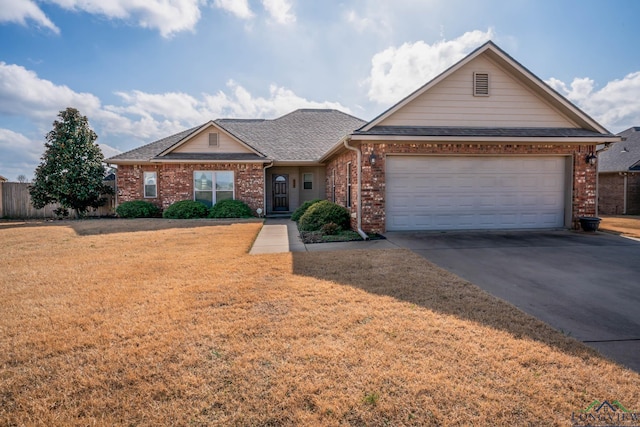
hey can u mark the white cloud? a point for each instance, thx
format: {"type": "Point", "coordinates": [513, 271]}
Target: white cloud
{"type": "Point", "coordinates": [20, 11]}
{"type": "Point", "coordinates": [22, 92]}
{"type": "Point", "coordinates": [616, 106]}
{"type": "Point", "coordinates": [239, 8]}
{"type": "Point", "coordinates": [280, 11]}
{"type": "Point", "coordinates": [369, 23]}
{"type": "Point", "coordinates": [140, 116]}
{"type": "Point", "coordinates": [167, 16]}
{"type": "Point", "coordinates": [18, 154]}
{"type": "Point", "coordinates": [397, 71]}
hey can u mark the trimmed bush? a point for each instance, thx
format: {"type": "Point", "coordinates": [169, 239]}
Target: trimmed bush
{"type": "Point", "coordinates": [297, 214]}
{"type": "Point", "coordinates": [137, 209]}
{"type": "Point", "coordinates": [186, 209]}
{"type": "Point", "coordinates": [230, 209]}
{"type": "Point", "coordinates": [322, 213]}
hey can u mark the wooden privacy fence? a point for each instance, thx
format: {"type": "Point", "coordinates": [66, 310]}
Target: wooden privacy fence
{"type": "Point", "coordinates": [15, 203]}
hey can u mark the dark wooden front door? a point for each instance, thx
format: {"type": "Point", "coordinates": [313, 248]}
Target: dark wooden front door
{"type": "Point", "coordinates": [280, 193]}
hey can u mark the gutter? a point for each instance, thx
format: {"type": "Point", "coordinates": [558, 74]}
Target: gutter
{"type": "Point", "coordinates": [264, 187]}
{"type": "Point", "coordinates": [359, 184]}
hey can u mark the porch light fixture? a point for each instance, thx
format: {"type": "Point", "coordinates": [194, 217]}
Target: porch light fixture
{"type": "Point", "coordinates": [372, 158]}
{"type": "Point", "coordinates": [591, 158]}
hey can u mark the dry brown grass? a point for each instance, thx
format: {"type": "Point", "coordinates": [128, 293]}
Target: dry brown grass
{"type": "Point", "coordinates": [627, 225]}
{"type": "Point", "coordinates": [105, 325]}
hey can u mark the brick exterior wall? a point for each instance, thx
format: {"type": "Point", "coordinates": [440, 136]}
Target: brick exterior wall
{"type": "Point", "coordinates": [611, 194]}
{"type": "Point", "coordinates": [175, 182]}
{"type": "Point", "coordinates": [373, 176]}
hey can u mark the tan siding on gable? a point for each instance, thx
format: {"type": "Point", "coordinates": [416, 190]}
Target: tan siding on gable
{"type": "Point", "coordinates": [451, 103]}
{"type": "Point", "coordinates": [200, 144]}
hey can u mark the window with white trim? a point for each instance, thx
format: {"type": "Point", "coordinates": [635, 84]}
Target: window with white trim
{"type": "Point", "coordinates": [150, 184]}
{"type": "Point", "coordinates": [307, 181]}
{"type": "Point", "coordinates": [349, 185]}
{"type": "Point", "coordinates": [210, 187]}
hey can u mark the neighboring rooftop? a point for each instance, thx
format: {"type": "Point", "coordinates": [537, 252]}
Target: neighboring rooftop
{"type": "Point", "coordinates": [622, 156]}
{"type": "Point", "coordinates": [302, 135]}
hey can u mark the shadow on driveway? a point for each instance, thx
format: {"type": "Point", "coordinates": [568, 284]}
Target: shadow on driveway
{"type": "Point", "coordinates": [586, 285]}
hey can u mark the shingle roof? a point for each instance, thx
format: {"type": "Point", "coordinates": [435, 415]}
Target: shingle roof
{"type": "Point", "coordinates": [481, 131]}
{"type": "Point", "coordinates": [622, 156]}
{"type": "Point", "coordinates": [303, 135]}
{"type": "Point", "coordinates": [149, 151]}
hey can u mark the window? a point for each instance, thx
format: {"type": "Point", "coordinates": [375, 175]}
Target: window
{"type": "Point", "coordinates": [307, 181]}
{"type": "Point", "coordinates": [210, 187]}
{"type": "Point", "coordinates": [480, 84]}
{"type": "Point", "coordinates": [213, 140]}
{"type": "Point", "coordinates": [150, 184]}
{"type": "Point", "coordinates": [349, 185]}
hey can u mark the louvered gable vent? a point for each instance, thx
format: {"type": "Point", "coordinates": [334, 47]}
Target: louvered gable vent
{"type": "Point", "coordinates": [480, 84]}
{"type": "Point", "coordinates": [213, 140]}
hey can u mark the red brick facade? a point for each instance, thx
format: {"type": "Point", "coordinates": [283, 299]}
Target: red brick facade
{"type": "Point", "coordinates": [611, 197]}
{"type": "Point", "coordinates": [373, 176]}
{"type": "Point", "coordinates": [175, 182]}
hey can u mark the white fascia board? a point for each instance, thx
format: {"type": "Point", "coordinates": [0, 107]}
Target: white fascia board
{"type": "Point", "coordinates": [486, 139]}
{"type": "Point", "coordinates": [207, 161]}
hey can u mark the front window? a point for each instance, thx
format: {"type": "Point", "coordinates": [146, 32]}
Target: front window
{"type": "Point", "coordinates": [212, 186]}
{"type": "Point", "coordinates": [150, 184]}
{"type": "Point", "coordinates": [307, 181]}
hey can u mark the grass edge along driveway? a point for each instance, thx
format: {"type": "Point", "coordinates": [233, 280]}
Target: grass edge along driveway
{"type": "Point", "coordinates": [156, 322]}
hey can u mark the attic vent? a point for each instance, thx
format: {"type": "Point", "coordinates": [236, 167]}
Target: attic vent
{"type": "Point", "coordinates": [480, 84]}
{"type": "Point", "coordinates": [213, 140]}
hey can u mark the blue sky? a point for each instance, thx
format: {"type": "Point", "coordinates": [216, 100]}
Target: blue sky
{"type": "Point", "coordinates": [142, 70]}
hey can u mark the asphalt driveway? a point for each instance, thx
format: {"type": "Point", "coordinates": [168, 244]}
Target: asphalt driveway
{"type": "Point", "coordinates": [585, 284]}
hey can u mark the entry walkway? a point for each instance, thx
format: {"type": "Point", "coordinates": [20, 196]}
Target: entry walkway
{"type": "Point", "coordinates": [279, 235]}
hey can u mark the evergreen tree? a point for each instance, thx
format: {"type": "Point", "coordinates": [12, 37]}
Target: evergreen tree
{"type": "Point", "coordinates": [71, 169]}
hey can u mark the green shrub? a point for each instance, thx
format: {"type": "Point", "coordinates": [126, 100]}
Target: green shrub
{"type": "Point", "coordinates": [230, 209]}
{"type": "Point", "coordinates": [322, 213]}
{"type": "Point", "coordinates": [137, 209]}
{"type": "Point", "coordinates": [186, 209]}
{"type": "Point", "coordinates": [297, 214]}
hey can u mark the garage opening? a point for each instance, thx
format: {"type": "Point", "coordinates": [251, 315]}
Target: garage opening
{"type": "Point", "coordinates": [475, 192]}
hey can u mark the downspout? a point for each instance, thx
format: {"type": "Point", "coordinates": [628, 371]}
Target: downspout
{"type": "Point", "coordinates": [264, 191]}
{"type": "Point", "coordinates": [624, 195]}
{"type": "Point", "coordinates": [359, 184]}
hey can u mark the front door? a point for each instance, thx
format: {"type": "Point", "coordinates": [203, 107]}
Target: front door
{"type": "Point", "coordinates": [280, 193]}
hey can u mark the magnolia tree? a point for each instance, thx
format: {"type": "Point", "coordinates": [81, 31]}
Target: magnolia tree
{"type": "Point", "coordinates": [71, 171]}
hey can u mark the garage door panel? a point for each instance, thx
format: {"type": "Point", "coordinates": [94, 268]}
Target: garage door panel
{"type": "Point", "coordinates": [439, 193]}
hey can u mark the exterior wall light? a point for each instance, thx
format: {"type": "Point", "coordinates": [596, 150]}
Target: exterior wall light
{"type": "Point", "coordinates": [591, 158]}
{"type": "Point", "coordinates": [372, 158]}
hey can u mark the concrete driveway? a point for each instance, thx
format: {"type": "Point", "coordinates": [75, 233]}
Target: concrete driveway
{"type": "Point", "coordinates": [584, 284]}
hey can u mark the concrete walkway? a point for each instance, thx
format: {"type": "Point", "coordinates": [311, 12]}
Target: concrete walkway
{"type": "Point", "coordinates": [279, 235]}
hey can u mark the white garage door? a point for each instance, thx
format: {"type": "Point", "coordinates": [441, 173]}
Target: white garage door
{"type": "Point", "coordinates": [474, 193]}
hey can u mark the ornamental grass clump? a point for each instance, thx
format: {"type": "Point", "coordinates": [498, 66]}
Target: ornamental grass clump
{"type": "Point", "coordinates": [322, 213]}
{"type": "Point", "coordinates": [186, 209]}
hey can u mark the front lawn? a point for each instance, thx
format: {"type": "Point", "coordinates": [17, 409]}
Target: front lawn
{"type": "Point", "coordinates": [627, 225]}
{"type": "Point", "coordinates": [155, 322]}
